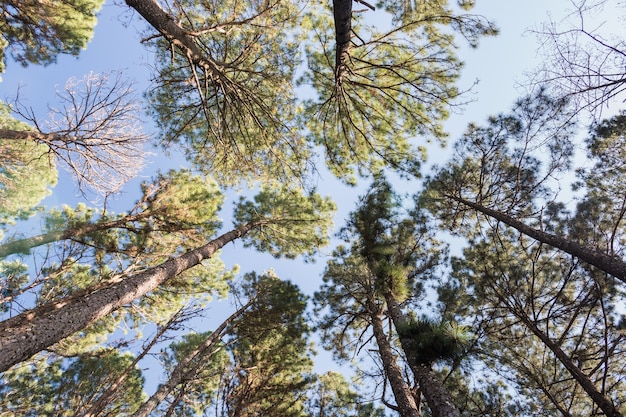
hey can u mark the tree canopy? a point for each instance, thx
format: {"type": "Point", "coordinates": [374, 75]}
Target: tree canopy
{"type": "Point", "coordinates": [213, 277]}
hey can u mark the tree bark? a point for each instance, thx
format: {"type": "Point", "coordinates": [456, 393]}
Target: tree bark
{"type": "Point", "coordinates": [182, 371]}
{"type": "Point", "coordinates": [402, 393]}
{"type": "Point", "coordinates": [611, 265]}
{"type": "Point", "coordinates": [436, 395]}
{"type": "Point", "coordinates": [342, 11]}
{"type": "Point", "coordinates": [34, 136]}
{"type": "Point", "coordinates": [176, 35]}
{"type": "Point", "coordinates": [35, 330]}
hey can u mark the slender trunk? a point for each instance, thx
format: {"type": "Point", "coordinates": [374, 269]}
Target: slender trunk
{"type": "Point", "coordinates": [35, 330]}
{"type": "Point", "coordinates": [611, 265]}
{"type": "Point", "coordinates": [106, 397]}
{"type": "Point", "coordinates": [401, 391]}
{"type": "Point", "coordinates": [342, 10]}
{"type": "Point", "coordinates": [605, 403]}
{"type": "Point", "coordinates": [22, 245]}
{"type": "Point", "coordinates": [436, 395]}
{"type": "Point", "coordinates": [183, 371]}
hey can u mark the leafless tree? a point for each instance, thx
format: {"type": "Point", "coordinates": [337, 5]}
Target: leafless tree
{"type": "Point", "coordinates": [582, 59]}
{"type": "Point", "coordinates": [95, 131]}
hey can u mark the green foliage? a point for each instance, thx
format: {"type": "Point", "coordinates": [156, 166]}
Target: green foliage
{"type": "Point", "coordinates": [61, 387]}
{"type": "Point", "coordinates": [506, 165]}
{"type": "Point", "coordinates": [227, 95]}
{"type": "Point", "coordinates": [271, 353]}
{"type": "Point", "coordinates": [13, 275]}
{"type": "Point", "coordinates": [432, 341]}
{"type": "Point", "coordinates": [203, 284]}
{"type": "Point", "coordinates": [332, 395]}
{"type": "Point", "coordinates": [515, 289]}
{"type": "Point", "coordinates": [184, 200]}
{"type": "Point", "coordinates": [395, 248]}
{"type": "Point", "coordinates": [599, 218]}
{"type": "Point", "coordinates": [36, 32]}
{"type": "Point", "coordinates": [177, 212]}
{"type": "Point", "coordinates": [342, 315]}
{"type": "Point", "coordinates": [390, 256]}
{"type": "Point", "coordinates": [27, 173]}
{"type": "Point", "coordinates": [296, 223]}
{"type": "Point", "coordinates": [233, 114]}
{"type": "Point", "coordinates": [197, 392]}
{"type": "Point", "coordinates": [399, 85]}
{"type": "Point", "coordinates": [487, 397]}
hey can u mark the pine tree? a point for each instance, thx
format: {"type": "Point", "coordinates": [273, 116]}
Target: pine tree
{"type": "Point", "coordinates": [37, 32]}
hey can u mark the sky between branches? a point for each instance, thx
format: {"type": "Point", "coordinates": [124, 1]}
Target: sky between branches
{"type": "Point", "coordinates": [499, 64]}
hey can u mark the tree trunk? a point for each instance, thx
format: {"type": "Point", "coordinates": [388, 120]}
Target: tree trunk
{"type": "Point", "coordinates": [97, 407]}
{"type": "Point", "coordinates": [611, 265]}
{"type": "Point", "coordinates": [183, 371]}
{"type": "Point", "coordinates": [342, 11]}
{"type": "Point", "coordinates": [605, 404]}
{"type": "Point", "coordinates": [21, 245]}
{"type": "Point", "coordinates": [176, 35]}
{"type": "Point", "coordinates": [436, 395]}
{"type": "Point", "coordinates": [401, 391]}
{"type": "Point", "coordinates": [35, 330]}
{"type": "Point", "coordinates": [33, 136]}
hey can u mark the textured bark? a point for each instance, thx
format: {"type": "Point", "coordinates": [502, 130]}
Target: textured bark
{"type": "Point", "coordinates": [342, 11]}
{"type": "Point", "coordinates": [176, 35]}
{"type": "Point", "coordinates": [405, 400]}
{"type": "Point", "coordinates": [35, 330]}
{"type": "Point", "coordinates": [31, 135]}
{"type": "Point", "coordinates": [611, 265]}
{"type": "Point", "coordinates": [603, 402]}
{"type": "Point", "coordinates": [435, 394]}
{"type": "Point", "coordinates": [183, 371]}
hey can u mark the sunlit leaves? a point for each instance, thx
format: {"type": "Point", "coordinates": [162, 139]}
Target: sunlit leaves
{"type": "Point", "coordinates": [232, 111]}
{"type": "Point", "coordinates": [61, 387]}
{"type": "Point", "coordinates": [300, 223]}
{"type": "Point", "coordinates": [36, 32]}
{"type": "Point", "coordinates": [26, 175]}
{"type": "Point", "coordinates": [397, 85]}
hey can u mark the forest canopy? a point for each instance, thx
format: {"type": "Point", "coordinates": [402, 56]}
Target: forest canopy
{"type": "Point", "coordinates": [311, 209]}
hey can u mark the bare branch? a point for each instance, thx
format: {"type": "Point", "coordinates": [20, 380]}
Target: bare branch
{"type": "Point", "coordinates": [582, 62]}
{"type": "Point", "coordinates": [95, 132]}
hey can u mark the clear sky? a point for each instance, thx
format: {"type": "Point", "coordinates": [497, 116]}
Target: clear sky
{"type": "Point", "coordinates": [499, 64]}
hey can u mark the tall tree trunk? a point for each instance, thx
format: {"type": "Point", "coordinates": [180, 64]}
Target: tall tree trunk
{"type": "Point", "coordinates": [611, 265]}
{"type": "Point", "coordinates": [183, 370]}
{"type": "Point", "coordinates": [35, 330]}
{"type": "Point", "coordinates": [601, 400]}
{"type": "Point", "coordinates": [436, 395]}
{"type": "Point", "coordinates": [401, 391]}
{"type": "Point", "coordinates": [342, 11]}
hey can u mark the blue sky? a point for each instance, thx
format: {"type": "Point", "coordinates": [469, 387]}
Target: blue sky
{"type": "Point", "coordinates": [499, 64]}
